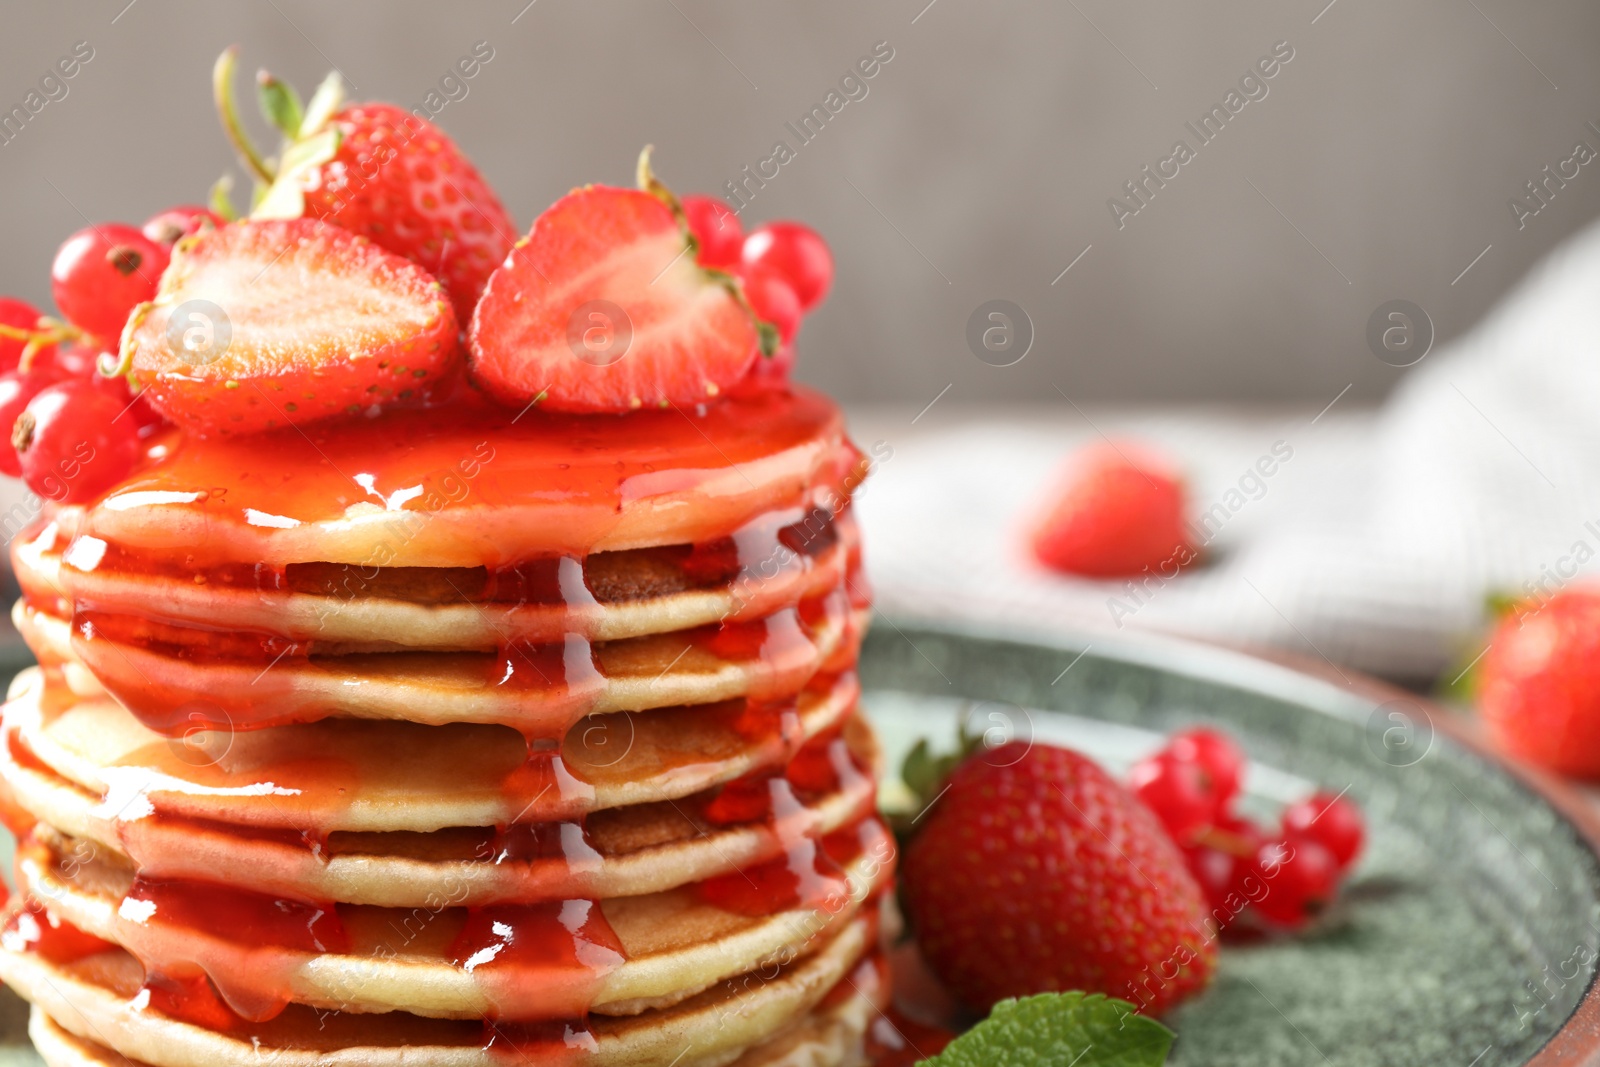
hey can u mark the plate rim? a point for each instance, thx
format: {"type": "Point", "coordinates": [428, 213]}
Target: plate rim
{"type": "Point", "coordinates": [1576, 1043]}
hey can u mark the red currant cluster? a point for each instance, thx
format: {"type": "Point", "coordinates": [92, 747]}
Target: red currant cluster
{"type": "Point", "coordinates": [786, 268]}
{"type": "Point", "coordinates": [1286, 878]}
{"type": "Point", "coordinates": [74, 428]}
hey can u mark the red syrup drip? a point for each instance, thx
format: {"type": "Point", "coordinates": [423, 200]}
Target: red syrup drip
{"type": "Point", "coordinates": [34, 931]}
{"type": "Point", "coordinates": [180, 701]}
{"type": "Point", "coordinates": [520, 665]}
{"type": "Point", "coordinates": [763, 723]}
{"type": "Point", "coordinates": [539, 856]}
{"type": "Point", "coordinates": [545, 1044]}
{"type": "Point", "coordinates": [191, 999]}
{"type": "Point", "coordinates": [822, 765]}
{"type": "Point", "coordinates": [538, 962]}
{"type": "Point", "coordinates": [825, 764]}
{"type": "Point", "coordinates": [894, 1040]}
{"type": "Point", "coordinates": [869, 977]}
{"type": "Point", "coordinates": [810, 873]}
{"type": "Point", "coordinates": [777, 650]}
{"type": "Point", "coordinates": [805, 876]}
{"type": "Point", "coordinates": [246, 943]}
{"type": "Point", "coordinates": [534, 581]}
{"type": "Point", "coordinates": [544, 787]}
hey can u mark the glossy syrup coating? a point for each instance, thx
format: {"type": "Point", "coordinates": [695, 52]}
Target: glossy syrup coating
{"type": "Point", "coordinates": [523, 504]}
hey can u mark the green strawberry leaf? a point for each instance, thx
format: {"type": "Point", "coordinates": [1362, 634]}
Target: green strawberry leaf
{"type": "Point", "coordinates": [1057, 1030]}
{"type": "Point", "coordinates": [279, 104]}
{"type": "Point", "coordinates": [1500, 603]}
{"type": "Point", "coordinates": [286, 198]}
{"type": "Point", "coordinates": [323, 105]}
{"type": "Point", "coordinates": [924, 772]}
{"type": "Point", "coordinates": [221, 198]}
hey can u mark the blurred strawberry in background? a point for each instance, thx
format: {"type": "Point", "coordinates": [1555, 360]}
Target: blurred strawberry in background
{"type": "Point", "coordinates": [1538, 684]}
{"type": "Point", "coordinates": [1118, 512]}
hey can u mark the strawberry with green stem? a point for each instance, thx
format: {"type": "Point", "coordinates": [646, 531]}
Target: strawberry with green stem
{"type": "Point", "coordinates": [376, 170]}
{"type": "Point", "coordinates": [1032, 870]}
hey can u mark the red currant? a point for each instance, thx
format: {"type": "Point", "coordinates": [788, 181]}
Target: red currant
{"type": "Point", "coordinates": [774, 369]}
{"type": "Point", "coordinates": [132, 405]}
{"type": "Point", "coordinates": [74, 442]}
{"type": "Point", "coordinates": [20, 316]}
{"type": "Point", "coordinates": [1300, 877]}
{"type": "Point", "coordinates": [1213, 869]}
{"type": "Point", "coordinates": [797, 253]}
{"type": "Point", "coordinates": [100, 273]}
{"type": "Point", "coordinates": [175, 222]}
{"type": "Point", "coordinates": [69, 361]}
{"type": "Point", "coordinates": [1333, 822]}
{"type": "Point", "coordinates": [1178, 794]}
{"type": "Point", "coordinates": [1216, 754]}
{"type": "Point", "coordinates": [716, 228]}
{"type": "Point", "coordinates": [1222, 857]}
{"type": "Point", "coordinates": [16, 389]}
{"type": "Point", "coordinates": [774, 301]}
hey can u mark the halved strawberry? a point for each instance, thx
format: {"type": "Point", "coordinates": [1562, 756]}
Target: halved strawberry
{"type": "Point", "coordinates": [280, 322]}
{"type": "Point", "coordinates": [602, 308]}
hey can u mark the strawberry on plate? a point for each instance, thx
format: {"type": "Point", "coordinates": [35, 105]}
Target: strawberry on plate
{"type": "Point", "coordinates": [1034, 871]}
{"type": "Point", "coordinates": [1119, 512]}
{"type": "Point", "coordinates": [380, 171]}
{"type": "Point", "coordinates": [1538, 684]}
{"type": "Point", "coordinates": [280, 322]}
{"type": "Point", "coordinates": [601, 309]}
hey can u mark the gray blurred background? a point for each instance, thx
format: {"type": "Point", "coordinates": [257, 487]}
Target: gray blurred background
{"type": "Point", "coordinates": [1378, 165]}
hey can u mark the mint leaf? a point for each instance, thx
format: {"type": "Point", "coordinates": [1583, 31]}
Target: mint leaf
{"type": "Point", "coordinates": [1060, 1030]}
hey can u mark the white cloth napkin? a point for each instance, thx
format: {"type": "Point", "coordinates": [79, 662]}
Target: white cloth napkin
{"type": "Point", "coordinates": [1374, 545]}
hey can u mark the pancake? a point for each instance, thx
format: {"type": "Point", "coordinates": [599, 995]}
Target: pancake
{"type": "Point", "coordinates": [637, 848]}
{"type": "Point", "coordinates": [777, 560]}
{"type": "Point", "coordinates": [831, 1035]}
{"type": "Point", "coordinates": [98, 999]}
{"type": "Point", "coordinates": [172, 678]}
{"type": "Point", "coordinates": [631, 954]}
{"type": "Point", "coordinates": [432, 488]}
{"type": "Point", "coordinates": [452, 737]}
{"type": "Point", "coordinates": [382, 775]}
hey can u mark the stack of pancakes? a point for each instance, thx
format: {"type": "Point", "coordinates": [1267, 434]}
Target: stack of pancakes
{"type": "Point", "coordinates": [452, 737]}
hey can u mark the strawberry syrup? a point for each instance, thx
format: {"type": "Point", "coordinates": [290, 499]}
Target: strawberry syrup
{"type": "Point", "coordinates": [521, 506]}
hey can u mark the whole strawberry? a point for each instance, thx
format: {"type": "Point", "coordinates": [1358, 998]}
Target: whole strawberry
{"type": "Point", "coordinates": [400, 181]}
{"type": "Point", "coordinates": [1119, 512]}
{"type": "Point", "coordinates": [1035, 872]}
{"type": "Point", "coordinates": [379, 171]}
{"type": "Point", "coordinates": [1539, 683]}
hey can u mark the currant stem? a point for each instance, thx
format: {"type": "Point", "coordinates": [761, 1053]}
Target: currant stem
{"type": "Point", "coordinates": [222, 92]}
{"type": "Point", "coordinates": [51, 332]}
{"type": "Point", "coordinates": [1223, 841]}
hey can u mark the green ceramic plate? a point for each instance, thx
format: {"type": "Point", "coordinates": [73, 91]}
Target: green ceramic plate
{"type": "Point", "coordinates": [1470, 932]}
